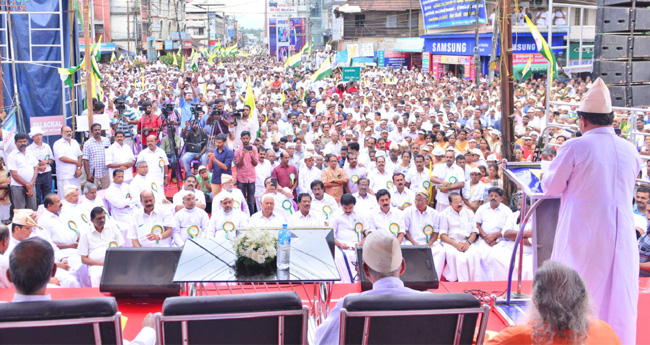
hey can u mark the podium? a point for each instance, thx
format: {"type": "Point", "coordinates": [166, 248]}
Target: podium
{"type": "Point", "coordinates": [543, 215]}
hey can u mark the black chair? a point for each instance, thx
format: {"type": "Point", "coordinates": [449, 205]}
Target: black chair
{"type": "Point", "coordinates": [261, 318]}
{"type": "Point", "coordinates": [424, 318]}
{"type": "Point", "coordinates": [65, 322]}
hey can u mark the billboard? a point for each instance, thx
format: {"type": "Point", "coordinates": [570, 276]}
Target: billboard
{"type": "Point", "coordinates": [438, 14]}
{"type": "Point", "coordinates": [282, 9]}
{"type": "Point", "coordinates": [286, 36]}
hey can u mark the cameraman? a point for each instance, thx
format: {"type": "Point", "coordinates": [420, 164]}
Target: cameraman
{"type": "Point", "coordinates": [149, 124]}
{"type": "Point", "coordinates": [216, 121]}
{"type": "Point", "coordinates": [126, 118]}
{"type": "Point", "coordinates": [196, 145]}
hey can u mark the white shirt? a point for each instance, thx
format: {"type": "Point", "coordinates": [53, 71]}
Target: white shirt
{"type": "Point", "coordinates": [189, 224]}
{"type": "Point", "coordinates": [393, 220]}
{"type": "Point", "coordinates": [117, 153]}
{"type": "Point", "coordinates": [417, 223]}
{"type": "Point", "coordinates": [50, 224]}
{"type": "Point", "coordinates": [354, 175]}
{"type": "Point", "coordinates": [94, 244]}
{"type": "Point", "coordinates": [312, 219]}
{"type": "Point", "coordinates": [380, 181]}
{"type": "Point", "coordinates": [154, 223]}
{"type": "Point", "coordinates": [345, 226]}
{"type": "Point", "coordinates": [156, 162]}
{"type": "Point", "coordinates": [63, 148]}
{"type": "Point", "coordinates": [42, 153]}
{"type": "Point", "coordinates": [404, 199]}
{"type": "Point", "coordinates": [199, 196]}
{"type": "Point", "coordinates": [325, 207]}
{"type": "Point", "coordinates": [87, 205]}
{"type": "Point", "coordinates": [334, 149]}
{"type": "Point", "coordinates": [239, 202]}
{"type": "Point", "coordinates": [416, 179]}
{"type": "Point", "coordinates": [121, 201]}
{"type": "Point", "coordinates": [447, 174]}
{"type": "Point", "coordinates": [274, 221]}
{"type": "Point", "coordinates": [307, 176]}
{"type": "Point", "coordinates": [262, 171]}
{"type": "Point", "coordinates": [492, 220]}
{"type": "Point", "coordinates": [367, 203]}
{"type": "Point", "coordinates": [219, 223]}
{"type": "Point", "coordinates": [457, 225]}
{"type": "Point", "coordinates": [23, 164]}
{"type": "Point", "coordinates": [141, 183]}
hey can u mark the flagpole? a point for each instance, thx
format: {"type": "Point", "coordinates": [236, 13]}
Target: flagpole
{"type": "Point", "coordinates": [89, 64]}
{"type": "Point", "coordinates": [549, 67]}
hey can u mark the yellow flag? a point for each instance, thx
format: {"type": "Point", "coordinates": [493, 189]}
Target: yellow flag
{"type": "Point", "coordinates": [175, 62]}
{"type": "Point", "coordinates": [142, 81]}
{"type": "Point", "coordinates": [282, 99]}
{"type": "Point", "coordinates": [250, 97]}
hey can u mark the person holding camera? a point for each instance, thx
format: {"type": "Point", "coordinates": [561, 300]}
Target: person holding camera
{"type": "Point", "coordinates": [196, 146]}
{"type": "Point", "coordinates": [185, 104]}
{"type": "Point", "coordinates": [216, 121]}
{"type": "Point", "coordinates": [127, 118]}
{"type": "Point", "coordinates": [149, 124]}
{"type": "Point", "coordinates": [247, 123]}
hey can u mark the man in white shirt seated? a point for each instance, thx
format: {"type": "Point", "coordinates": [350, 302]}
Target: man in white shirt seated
{"type": "Point", "coordinates": [189, 186]}
{"type": "Point", "coordinates": [226, 219]}
{"type": "Point", "coordinates": [490, 220]}
{"type": "Point", "coordinates": [157, 161]}
{"type": "Point", "coordinates": [90, 200]}
{"type": "Point", "coordinates": [31, 267]}
{"type": "Point", "coordinates": [323, 203]}
{"type": "Point", "coordinates": [382, 264]}
{"type": "Point", "coordinates": [386, 217]}
{"type": "Point", "coordinates": [282, 196]}
{"type": "Point", "coordinates": [153, 224]}
{"type": "Point", "coordinates": [422, 228]}
{"type": "Point", "coordinates": [350, 229]}
{"type": "Point", "coordinates": [94, 242]}
{"type": "Point", "coordinates": [121, 202]}
{"type": "Point", "coordinates": [365, 201]}
{"type": "Point", "coordinates": [191, 221]}
{"type": "Point", "coordinates": [401, 197]}
{"type": "Point", "coordinates": [228, 185]}
{"type": "Point", "coordinates": [142, 181]}
{"type": "Point", "coordinates": [304, 216]}
{"type": "Point", "coordinates": [458, 234]}
{"type": "Point", "coordinates": [267, 217]}
{"type": "Point", "coordinates": [501, 256]}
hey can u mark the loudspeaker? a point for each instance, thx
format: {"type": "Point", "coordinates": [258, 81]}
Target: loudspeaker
{"type": "Point", "coordinates": [420, 273]}
{"type": "Point", "coordinates": [622, 72]}
{"type": "Point", "coordinates": [621, 19]}
{"type": "Point", "coordinates": [140, 272]}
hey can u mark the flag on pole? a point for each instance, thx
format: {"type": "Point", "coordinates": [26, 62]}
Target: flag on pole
{"type": "Point", "coordinates": [542, 46]}
{"type": "Point", "coordinates": [294, 60]}
{"type": "Point", "coordinates": [350, 53]}
{"type": "Point", "coordinates": [282, 98]}
{"type": "Point", "coordinates": [142, 81]}
{"type": "Point", "coordinates": [323, 71]}
{"type": "Point", "coordinates": [175, 62]}
{"type": "Point", "coordinates": [527, 71]}
{"type": "Point", "coordinates": [121, 57]}
{"type": "Point", "coordinates": [112, 57]}
{"type": "Point", "coordinates": [250, 97]}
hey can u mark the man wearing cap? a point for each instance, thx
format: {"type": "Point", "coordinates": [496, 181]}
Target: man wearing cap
{"type": "Point", "coordinates": [448, 177]}
{"type": "Point", "coordinates": [153, 224]}
{"type": "Point", "coordinates": [190, 221]}
{"type": "Point", "coordinates": [45, 157]}
{"type": "Point", "coordinates": [308, 173]}
{"type": "Point", "coordinates": [228, 184]}
{"type": "Point", "coordinates": [226, 219]}
{"type": "Point", "coordinates": [120, 156]}
{"type": "Point", "coordinates": [606, 254]}
{"type": "Point", "coordinates": [23, 167]}
{"type": "Point", "coordinates": [189, 186]}
{"type": "Point", "coordinates": [382, 264]}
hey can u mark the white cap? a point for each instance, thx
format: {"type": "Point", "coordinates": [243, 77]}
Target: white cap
{"type": "Point", "coordinates": [70, 189]}
{"type": "Point", "coordinates": [382, 252]}
{"type": "Point", "coordinates": [438, 151]}
{"type": "Point", "coordinates": [36, 131]}
{"type": "Point", "coordinates": [492, 157]}
{"type": "Point", "coordinates": [597, 99]}
{"type": "Point", "coordinates": [226, 178]}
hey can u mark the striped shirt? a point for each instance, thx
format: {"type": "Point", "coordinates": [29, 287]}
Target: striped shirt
{"type": "Point", "coordinates": [95, 153]}
{"type": "Point", "coordinates": [123, 124]}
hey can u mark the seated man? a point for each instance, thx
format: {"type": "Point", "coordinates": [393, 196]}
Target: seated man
{"type": "Point", "coordinates": [90, 200]}
{"type": "Point", "coordinates": [304, 216]}
{"type": "Point", "coordinates": [228, 185]}
{"type": "Point", "coordinates": [502, 256]}
{"type": "Point", "coordinates": [490, 220]}
{"type": "Point", "coordinates": [282, 197]}
{"type": "Point", "coordinates": [267, 217]}
{"type": "Point", "coordinates": [94, 242]}
{"type": "Point", "coordinates": [153, 224]}
{"type": "Point", "coordinates": [386, 217]}
{"type": "Point", "coordinates": [191, 221]}
{"type": "Point", "coordinates": [458, 233]}
{"type": "Point", "coordinates": [122, 203]}
{"type": "Point", "coordinates": [422, 228]}
{"type": "Point", "coordinates": [350, 230]}
{"type": "Point", "coordinates": [31, 267]}
{"type": "Point", "coordinates": [382, 264]}
{"type": "Point", "coordinates": [558, 318]}
{"type": "Point", "coordinates": [5, 236]}
{"type": "Point", "coordinates": [227, 219]}
{"type": "Point", "coordinates": [189, 186]}
{"type": "Point", "coordinates": [322, 201]}
{"type": "Point", "coordinates": [144, 181]}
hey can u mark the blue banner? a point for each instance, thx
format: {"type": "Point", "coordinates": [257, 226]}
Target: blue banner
{"type": "Point", "coordinates": [169, 45]}
{"type": "Point", "coordinates": [438, 14]}
{"type": "Point", "coordinates": [463, 44]}
{"type": "Point", "coordinates": [380, 59]}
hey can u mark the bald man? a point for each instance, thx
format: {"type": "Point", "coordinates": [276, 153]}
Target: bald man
{"type": "Point", "coordinates": [156, 161]}
{"type": "Point", "coordinates": [68, 155]}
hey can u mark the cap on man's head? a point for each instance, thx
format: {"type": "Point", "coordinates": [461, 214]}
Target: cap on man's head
{"type": "Point", "coordinates": [226, 178]}
{"type": "Point", "coordinates": [438, 151]}
{"type": "Point", "coordinates": [382, 252]}
{"type": "Point", "coordinates": [36, 131]}
{"type": "Point", "coordinates": [24, 217]}
{"type": "Point", "coordinates": [202, 167]}
{"type": "Point", "coordinates": [70, 189]}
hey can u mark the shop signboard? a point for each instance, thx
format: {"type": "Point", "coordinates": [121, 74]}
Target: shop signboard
{"type": "Point", "coordinates": [381, 59]}
{"type": "Point", "coordinates": [396, 59]}
{"type": "Point", "coordinates": [438, 14]}
{"type": "Point", "coordinates": [350, 73]}
{"type": "Point", "coordinates": [426, 62]}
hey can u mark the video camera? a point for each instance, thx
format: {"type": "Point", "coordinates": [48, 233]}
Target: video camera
{"type": "Point", "coordinates": [167, 109]}
{"type": "Point", "coordinates": [120, 105]}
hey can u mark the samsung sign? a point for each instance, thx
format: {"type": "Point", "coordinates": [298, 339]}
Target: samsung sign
{"type": "Point", "coordinates": [463, 44]}
{"type": "Point", "coordinates": [458, 47]}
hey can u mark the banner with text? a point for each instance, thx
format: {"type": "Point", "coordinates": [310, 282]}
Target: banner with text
{"type": "Point", "coordinates": [438, 14]}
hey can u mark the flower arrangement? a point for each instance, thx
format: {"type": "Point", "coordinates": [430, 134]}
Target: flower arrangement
{"type": "Point", "coordinates": [256, 252]}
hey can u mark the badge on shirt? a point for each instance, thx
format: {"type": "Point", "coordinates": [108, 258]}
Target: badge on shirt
{"type": "Point", "coordinates": [428, 231]}
{"type": "Point", "coordinates": [193, 231]}
{"type": "Point", "coordinates": [394, 228]}
{"type": "Point", "coordinates": [354, 178]}
{"type": "Point", "coordinates": [228, 227]}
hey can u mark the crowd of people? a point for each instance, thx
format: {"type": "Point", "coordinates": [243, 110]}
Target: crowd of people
{"type": "Point", "coordinates": [399, 151]}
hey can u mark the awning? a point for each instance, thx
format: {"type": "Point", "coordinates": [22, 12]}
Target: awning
{"type": "Point", "coordinates": [409, 45]}
{"type": "Point", "coordinates": [345, 8]}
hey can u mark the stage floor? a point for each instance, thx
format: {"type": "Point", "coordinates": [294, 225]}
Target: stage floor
{"type": "Point", "coordinates": [136, 310]}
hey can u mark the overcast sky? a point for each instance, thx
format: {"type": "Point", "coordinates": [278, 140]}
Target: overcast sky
{"type": "Point", "coordinates": [249, 13]}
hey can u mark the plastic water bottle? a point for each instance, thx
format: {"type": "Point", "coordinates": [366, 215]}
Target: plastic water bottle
{"type": "Point", "coordinates": [284, 248]}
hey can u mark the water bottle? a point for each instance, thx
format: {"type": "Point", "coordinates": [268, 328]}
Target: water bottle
{"type": "Point", "coordinates": [284, 248]}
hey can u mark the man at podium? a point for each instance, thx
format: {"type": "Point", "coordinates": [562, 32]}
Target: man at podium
{"type": "Point", "coordinates": [595, 176]}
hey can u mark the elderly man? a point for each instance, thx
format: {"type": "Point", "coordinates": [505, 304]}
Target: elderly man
{"type": "Point", "coordinates": [23, 168]}
{"type": "Point", "coordinates": [153, 226]}
{"type": "Point", "coordinates": [422, 228]}
{"type": "Point", "coordinates": [90, 200]}
{"type": "Point", "coordinates": [501, 256]}
{"type": "Point", "coordinates": [120, 156]}
{"type": "Point", "coordinates": [449, 177]}
{"type": "Point", "coordinates": [334, 178]}
{"type": "Point", "coordinates": [379, 177]}
{"type": "Point", "coordinates": [189, 186]}
{"type": "Point", "coordinates": [144, 181]}
{"type": "Point", "coordinates": [94, 242]}
{"type": "Point", "coordinates": [458, 233]}
{"type": "Point", "coordinates": [228, 185]}
{"type": "Point", "coordinates": [67, 154]}
{"type": "Point", "coordinates": [32, 266]}
{"type": "Point", "coordinates": [476, 195]}
{"type": "Point", "coordinates": [191, 221]}
{"type": "Point", "coordinates": [323, 202]}
{"type": "Point", "coordinates": [382, 264]}
{"type": "Point", "coordinates": [308, 173]}
{"type": "Point", "coordinates": [45, 157]}
{"type": "Point", "coordinates": [401, 197]}
{"type": "Point", "coordinates": [386, 217]}
{"type": "Point", "coordinates": [304, 216]}
{"type": "Point", "coordinates": [227, 219]}
{"type": "Point", "coordinates": [267, 217]}
{"type": "Point", "coordinates": [350, 230]}
{"type": "Point", "coordinates": [94, 158]}
{"type": "Point", "coordinates": [365, 201]}
{"type": "Point", "coordinates": [490, 220]}
{"type": "Point", "coordinates": [157, 161]}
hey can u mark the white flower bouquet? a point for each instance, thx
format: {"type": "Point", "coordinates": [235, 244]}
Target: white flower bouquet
{"type": "Point", "coordinates": [256, 252]}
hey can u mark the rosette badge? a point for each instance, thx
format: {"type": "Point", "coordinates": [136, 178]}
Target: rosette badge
{"type": "Point", "coordinates": [394, 228]}
{"type": "Point", "coordinates": [389, 185]}
{"type": "Point", "coordinates": [428, 231]}
{"type": "Point", "coordinates": [85, 218]}
{"type": "Point", "coordinates": [193, 231]}
{"type": "Point", "coordinates": [426, 184]}
{"type": "Point", "coordinates": [358, 228]}
{"type": "Point", "coordinates": [72, 226]}
{"type": "Point", "coordinates": [292, 177]}
{"type": "Point", "coordinates": [354, 179]}
{"type": "Point", "coordinates": [327, 210]}
{"type": "Point", "coordinates": [157, 230]}
{"type": "Point", "coordinates": [236, 204]}
{"type": "Point", "coordinates": [287, 205]}
{"type": "Point", "coordinates": [228, 227]}
{"type": "Point", "coordinates": [161, 163]}
{"type": "Point", "coordinates": [112, 244]}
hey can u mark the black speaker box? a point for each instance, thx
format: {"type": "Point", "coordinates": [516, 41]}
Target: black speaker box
{"type": "Point", "coordinates": [630, 96]}
{"type": "Point", "coordinates": [621, 46]}
{"type": "Point", "coordinates": [622, 19]}
{"type": "Point", "coordinates": [420, 273]}
{"type": "Point", "coordinates": [621, 72]}
{"type": "Point", "coordinates": [140, 272]}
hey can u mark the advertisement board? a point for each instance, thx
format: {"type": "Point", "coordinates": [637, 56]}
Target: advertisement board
{"type": "Point", "coordinates": [282, 9]}
{"type": "Point", "coordinates": [350, 73]}
{"type": "Point", "coordinates": [426, 62]}
{"type": "Point", "coordinates": [286, 36]}
{"type": "Point", "coordinates": [381, 58]}
{"type": "Point", "coordinates": [396, 59]}
{"type": "Point", "coordinates": [51, 125]}
{"type": "Point", "coordinates": [438, 14]}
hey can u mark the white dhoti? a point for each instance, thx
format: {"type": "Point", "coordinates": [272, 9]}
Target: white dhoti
{"type": "Point", "coordinates": [462, 266]}
{"type": "Point", "coordinates": [487, 254]}
{"type": "Point", "coordinates": [501, 263]}
{"type": "Point", "coordinates": [346, 263]}
{"type": "Point", "coordinates": [95, 275]}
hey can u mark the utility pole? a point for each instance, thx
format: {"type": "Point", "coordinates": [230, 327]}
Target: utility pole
{"type": "Point", "coordinates": [89, 64]}
{"type": "Point", "coordinates": [507, 91]}
{"type": "Point", "coordinates": [128, 29]}
{"type": "Point", "coordinates": [477, 57]}
{"type": "Point", "coordinates": [410, 14]}
{"type": "Point", "coordinates": [495, 40]}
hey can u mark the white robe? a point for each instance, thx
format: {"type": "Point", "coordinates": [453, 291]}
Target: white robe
{"type": "Point", "coordinates": [595, 175]}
